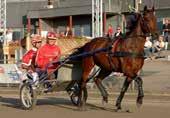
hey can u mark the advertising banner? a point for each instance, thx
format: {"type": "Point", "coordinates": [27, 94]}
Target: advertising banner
{"type": "Point", "coordinates": [9, 73]}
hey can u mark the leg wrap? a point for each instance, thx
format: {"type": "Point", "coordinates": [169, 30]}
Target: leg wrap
{"type": "Point", "coordinates": [102, 89]}
{"type": "Point", "coordinates": [124, 89]}
{"type": "Point", "coordinates": [140, 87]}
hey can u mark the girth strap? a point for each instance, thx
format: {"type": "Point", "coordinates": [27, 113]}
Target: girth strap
{"type": "Point", "coordinates": [126, 54]}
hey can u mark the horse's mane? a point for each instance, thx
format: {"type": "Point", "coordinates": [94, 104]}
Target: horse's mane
{"type": "Point", "coordinates": [133, 22]}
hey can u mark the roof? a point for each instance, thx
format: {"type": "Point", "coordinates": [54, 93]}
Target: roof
{"type": "Point", "coordinates": [159, 4]}
{"type": "Point", "coordinates": [8, 1]}
{"type": "Point", "coordinates": [16, 11]}
{"type": "Point", "coordinates": [56, 12]}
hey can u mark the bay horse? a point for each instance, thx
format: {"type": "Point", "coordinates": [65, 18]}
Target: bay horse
{"type": "Point", "coordinates": [125, 56]}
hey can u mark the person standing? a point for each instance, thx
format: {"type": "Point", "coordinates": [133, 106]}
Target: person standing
{"type": "Point", "coordinates": [9, 36]}
{"type": "Point", "coordinates": [68, 32]}
{"type": "Point", "coordinates": [110, 31]}
{"type": "Point", "coordinates": [166, 32]}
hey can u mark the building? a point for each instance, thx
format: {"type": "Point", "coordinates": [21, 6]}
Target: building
{"type": "Point", "coordinates": [75, 13]}
{"type": "Point", "coordinates": [34, 16]}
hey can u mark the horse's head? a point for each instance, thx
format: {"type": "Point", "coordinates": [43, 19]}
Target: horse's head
{"type": "Point", "coordinates": [141, 25]}
{"type": "Point", "coordinates": [136, 24]}
{"type": "Point", "coordinates": [150, 20]}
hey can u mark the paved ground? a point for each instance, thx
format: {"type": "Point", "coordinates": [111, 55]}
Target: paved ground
{"type": "Point", "coordinates": [50, 106]}
{"type": "Point", "coordinates": [157, 75]}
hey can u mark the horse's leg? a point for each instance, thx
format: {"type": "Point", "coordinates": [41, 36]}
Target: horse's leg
{"type": "Point", "coordinates": [83, 96]}
{"type": "Point", "coordinates": [100, 86]}
{"type": "Point", "coordinates": [87, 65]}
{"type": "Point", "coordinates": [122, 93]}
{"type": "Point", "coordinates": [139, 82]}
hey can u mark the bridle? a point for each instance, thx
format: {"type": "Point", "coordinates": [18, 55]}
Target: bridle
{"type": "Point", "coordinates": [146, 25]}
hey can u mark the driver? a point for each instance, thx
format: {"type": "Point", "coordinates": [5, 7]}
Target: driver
{"type": "Point", "coordinates": [28, 60]}
{"type": "Point", "coordinates": [48, 53]}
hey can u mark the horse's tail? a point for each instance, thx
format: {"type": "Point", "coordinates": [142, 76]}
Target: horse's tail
{"type": "Point", "coordinates": [84, 51]}
{"type": "Point", "coordinates": [75, 54]}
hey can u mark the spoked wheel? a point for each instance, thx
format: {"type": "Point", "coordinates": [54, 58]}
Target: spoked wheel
{"type": "Point", "coordinates": [74, 94]}
{"type": "Point", "coordinates": [27, 96]}
{"type": "Point", "coordinates": [75, 99]}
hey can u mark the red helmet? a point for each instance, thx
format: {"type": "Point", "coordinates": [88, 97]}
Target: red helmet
{"type": "Point", "coordinates": [51, 35]}
{"type": "Point", "coordinates": [36, 38]}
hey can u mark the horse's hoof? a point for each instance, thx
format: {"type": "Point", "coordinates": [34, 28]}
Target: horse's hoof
{"type": "Point", "coordinates": [128, 111]}
{"type": "Point", "coordinates": [82, 109]}
{"type": "Point", "coordinates": [139, 102]}
{"type": "Point", "coordinates": [105, 99]}
{"type": "Point", "coordinates": [104, 102]}
{"type": "Point", "coordinates": [138, 105]}
{"type": "Point", "coordinates": [118, 110]}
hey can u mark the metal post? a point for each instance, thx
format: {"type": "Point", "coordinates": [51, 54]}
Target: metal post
{"type": "Point", "coordinates": [136, 3]}
{"type": "Point", "coordinates": [101, 18]}
{"type": "Point", "coordinates": [28, 34]}
{"type": "Point", "coordinates": [136, 6]}
{"type": "Point", "coordinates": [39, 25]}
{"type": "Point", "coordinates": [3, 19]}
{"type": "Point", "coordinates": [29, 25]}
{"type": "Point", "coordinates": [3, 25]}
{"type": "Point", "coordinates": [70, 22]}
{"type": "Point", "coordinates": [104, 22]}
{"type": "Point", "coordinates": [97, 18]}
{"type": "Point", "coordinates": [93, 18]}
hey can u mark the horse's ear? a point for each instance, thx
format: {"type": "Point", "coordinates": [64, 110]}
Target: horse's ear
{"type": "Point", "coordinates": [145, 8]}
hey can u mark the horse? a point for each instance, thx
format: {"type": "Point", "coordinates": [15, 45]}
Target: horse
{"type": "Point", "coordinates": [125, 56]}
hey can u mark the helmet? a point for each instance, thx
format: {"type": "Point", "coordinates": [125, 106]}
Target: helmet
{"type": "Point", "coordinates": [51, 35]}
{"type": "Point", "coordinates": [36, 38]}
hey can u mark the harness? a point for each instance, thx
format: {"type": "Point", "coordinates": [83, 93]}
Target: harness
{"type": "Point", "coordinates": [113, 45]}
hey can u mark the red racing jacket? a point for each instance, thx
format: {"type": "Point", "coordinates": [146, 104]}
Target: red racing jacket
{"type": "Point", "coordinates": [28, 60]}
{"type": "Point", "coordinates": [46, 54]}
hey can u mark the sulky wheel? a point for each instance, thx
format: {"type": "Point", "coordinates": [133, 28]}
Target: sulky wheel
{"type": "Point", "coordinates": [28, 96]}
{"type": "Point", "coordinates": [74, 99]}
{"type": "Point", "coordinates": [74, 94]}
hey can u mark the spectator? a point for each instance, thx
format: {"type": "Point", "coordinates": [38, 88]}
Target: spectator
{"type": "Point", "coordinates": [9, 37]}
{"type": "Point", "coordinates": [118, 32]}
{"type": "Point", "coordinates": [48, 53]}
{"type": "Point", "coordinates": [159, 45]}
{"type": "Point", "coordinates": [166, 32]}
{"type": "Point", "coordinates": [61, 34]}
{"type": "Point", "coordinates": [68, 32]}
{"type": "Point", "coordinates": [110, 31]}
{"type": "Point", "coordinates": [148, 47]}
